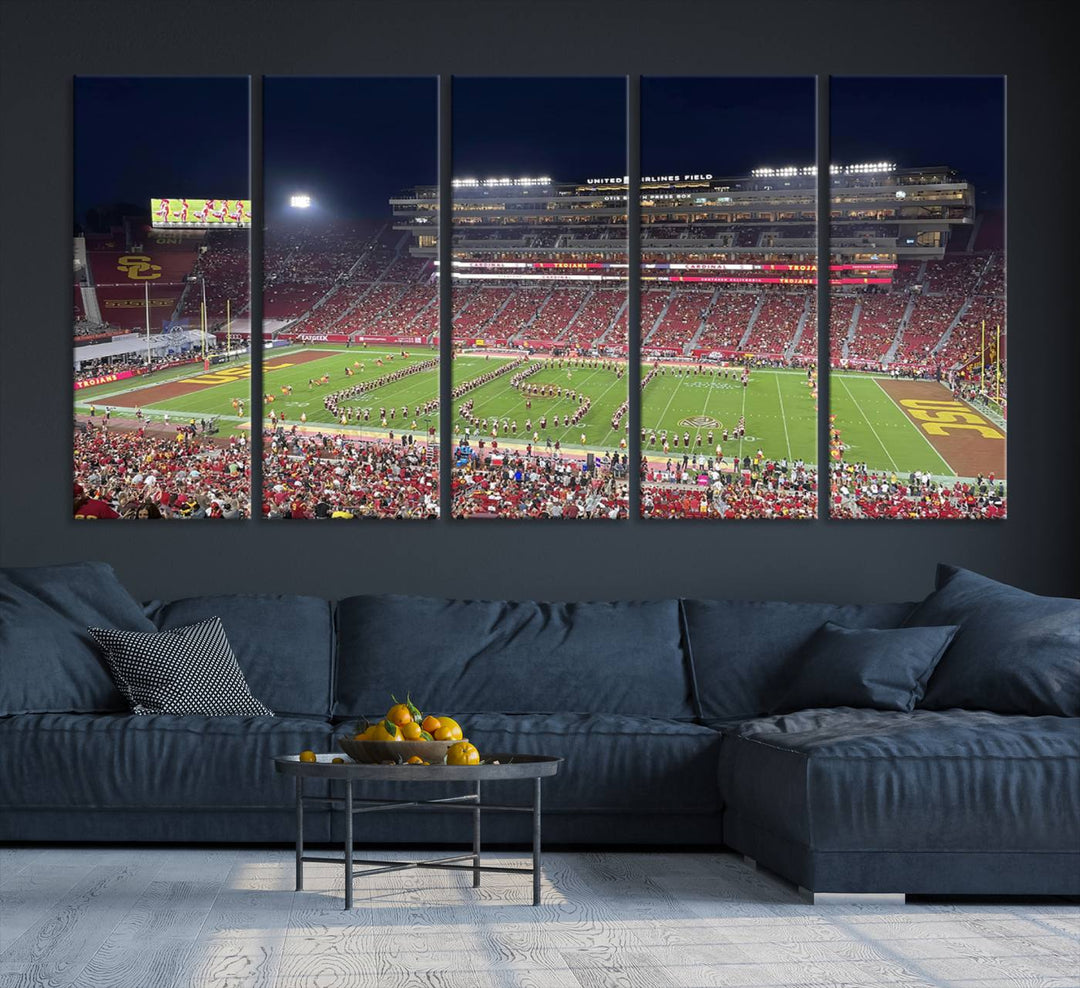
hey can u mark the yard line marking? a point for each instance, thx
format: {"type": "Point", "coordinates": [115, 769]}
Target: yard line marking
{"type": "Point", "coordinates": [674, 392]}
{"type": "Point", "coordinates": [884, 448]}
{"type": "Point", "coordinates": [783, 416]}
{"type": "Point", "coordinates": [952, 472]}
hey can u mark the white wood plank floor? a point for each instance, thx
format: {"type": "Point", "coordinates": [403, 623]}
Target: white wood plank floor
{"type": "Point", "coordinates": [189, 918]}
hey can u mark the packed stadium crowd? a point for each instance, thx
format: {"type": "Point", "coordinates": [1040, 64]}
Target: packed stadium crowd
{"type": "Point", "coordinates": [702, 486]}
{"type": "Point", "coordinates": [333, 476]}
{"type": "Point", "coordinates": [487, 483]}
{"type": "Point", "coordinates": [861, 493]}
{"type": "Point", "coordinates": [175, 475]}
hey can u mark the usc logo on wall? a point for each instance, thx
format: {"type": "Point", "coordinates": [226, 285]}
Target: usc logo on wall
{"type": "Point", "coordinates": [138, 267]}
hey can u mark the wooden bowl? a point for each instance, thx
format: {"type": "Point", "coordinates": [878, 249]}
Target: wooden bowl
{"type": "Point", "coordinates": [376, 752]}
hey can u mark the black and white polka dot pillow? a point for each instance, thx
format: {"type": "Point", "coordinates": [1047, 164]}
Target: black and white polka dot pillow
{"type": "Point", "coordinates": [190, 670]}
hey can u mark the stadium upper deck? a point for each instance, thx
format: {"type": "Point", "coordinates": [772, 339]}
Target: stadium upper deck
{"type": "Point", "coordinates": [905, 213]}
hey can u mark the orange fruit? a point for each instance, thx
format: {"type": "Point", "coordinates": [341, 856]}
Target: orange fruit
{"type": "Point", "coordinates": [399, 714]}
{"type": "Point", "coordinates": [308, 756]}
{"type": "Point", "coordinates": [411, 731]}
{"type": "Point", "coordinates": [449, 730]}
{"type": "Point", "coordinates": [415, 760]}
{"type": "Point", "coordinates": [385, 731]}
{"type": "Point", "coordinates": [431, 724]}
{"type": "Point", "coordinates": [337, 761]}
{"type": "Point", "coordinates": [462, 753]}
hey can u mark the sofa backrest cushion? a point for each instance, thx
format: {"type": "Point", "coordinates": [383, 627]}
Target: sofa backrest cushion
{"type": "Point", "coordinates": [283, 644]}
{"type": "Point", "coordinates": [741, 650]}
{"type": "Point", "coordinates": [478, 656]}
{"type": "Point", "coordinates": [48, 661]}
{"type": "Point", "coordinates": [1015, 652]}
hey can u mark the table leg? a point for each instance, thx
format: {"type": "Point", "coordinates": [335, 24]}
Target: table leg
{"type": "Point", "coordinates": [299, 833]}
{"type": "Point", "coordinates": [476, 840]}
{"type": "Point", "coordinates": [348, 844]}
{"type": "Point", "coordinates": [536, 841]}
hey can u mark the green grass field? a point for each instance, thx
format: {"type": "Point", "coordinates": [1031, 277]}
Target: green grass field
{"type": "Point", "coordinates": [779, 410]}
{"type": "Point", "coordinates": [777, 405]}
{"type": "Point", "coordinates": [876, 431]}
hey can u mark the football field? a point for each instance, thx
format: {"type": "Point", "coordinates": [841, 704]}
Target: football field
{"type": "Point", "coordinates": [900, 426]}
{"type": "Point", "coordinates": [890, 425]}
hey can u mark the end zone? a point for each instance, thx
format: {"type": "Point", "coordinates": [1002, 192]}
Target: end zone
{"type": "Point", "coordinates": [969, 442]}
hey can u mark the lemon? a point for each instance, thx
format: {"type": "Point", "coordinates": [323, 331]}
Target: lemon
{"type": "Point", "coordinates": [411, 731]}
{"type": "Point", "coordinates": [308, 756]}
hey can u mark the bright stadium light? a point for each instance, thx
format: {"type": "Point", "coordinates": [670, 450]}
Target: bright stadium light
{"type": "Point", "coordinates": [300, 201]}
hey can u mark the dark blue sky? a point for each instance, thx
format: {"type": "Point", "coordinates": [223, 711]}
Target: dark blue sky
{"type": "Point", "coordinates": [353, 143]}
{"type": "Point", "coordinates": [567, 128]}
{"type": "Point", "coordinates": [725, 126]}
{"type": "Point", "coordinates": [349, 143]}
{"type": "Point", "coordinates": [148, 136]}
{"type": "Point", "coordinates": [957, 121]}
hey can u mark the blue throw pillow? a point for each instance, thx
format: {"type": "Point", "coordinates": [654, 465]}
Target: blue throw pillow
{"type": "Point", "coordinates": [741, 650]}
{"type": "Point", "coordinates": [1015, 652]}
{"type": "Point", "coordinates": [48, 661]}
{"type": "Point", "coordinates": [883, 669]}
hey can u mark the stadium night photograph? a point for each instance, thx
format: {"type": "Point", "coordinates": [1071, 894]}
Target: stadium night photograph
{"type": "Point", "coordinates": [594, 549]}
{"type": "Point", "coordinates": [540, 393]}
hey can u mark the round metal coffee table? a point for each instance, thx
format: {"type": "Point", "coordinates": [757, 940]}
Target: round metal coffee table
{"type": "Point", "coordinates": [535, 767]}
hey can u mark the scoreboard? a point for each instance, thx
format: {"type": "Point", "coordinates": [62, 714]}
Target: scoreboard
{"type": "Point", "coordinates": [200, 213]}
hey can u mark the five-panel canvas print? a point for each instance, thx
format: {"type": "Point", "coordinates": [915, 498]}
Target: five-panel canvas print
{"type": "Point", "coordinates": [738, 416]}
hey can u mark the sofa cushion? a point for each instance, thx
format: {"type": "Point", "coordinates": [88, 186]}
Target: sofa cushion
{"type": "Point", "coordinates": [614, 763]}
{"type": "Point", "coordinates": [284, 644]}
{"type": "Point", "coordinates": [742, 650]}
{"type": "Point", "coordinates": [48, 661]}
{"type": "Point", "coordinates": [864, 667]}
{"type": "Point", "coordinates": [1015, 652]}
{"type": "Point", "coordinates": [864, 780]}
{"type": "Point", "coordinates": [475, 656]}
{"type": "Point", "coordinates": [159, 761]}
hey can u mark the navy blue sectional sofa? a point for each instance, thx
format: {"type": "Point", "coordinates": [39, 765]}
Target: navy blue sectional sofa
{"type": "Point", "coordinates": [663, 710]}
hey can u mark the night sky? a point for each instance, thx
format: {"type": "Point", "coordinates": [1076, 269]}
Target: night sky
{"type": "Point", "coordinates": [725, 126]}
{"type": "Point", "coordinates": [353, 143]}
{"type": "Point", "coordinates": [956, 121]}
{"type": "Point", "coordinates": [567, 128]}
{"type": "Point", "coordinates": [136, 138]}
{"type": "Point", "coordinates": [349, 143]}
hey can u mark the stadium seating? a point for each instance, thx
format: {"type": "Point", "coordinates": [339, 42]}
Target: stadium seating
{"type": "Point", "coordinates": [726, 322]}
{"type": "Point", "coordinates": [878, 323]}
{"type": "Point", "coordinates": [122, 278]}
{"type": "Point", "coordinates": [554, 318]}
{"type": "Point", "coordinates": [653, 301]}
{"type": "Point", "coordinates": [602, 317]}
{"type": "Point", "coordinates": [930, 317]}
{"type": "Point", "coordinates": [519, 311]}
{"type": "Point", "coordinates": [470, 321]}
{"type": "Point", "coordinates": [681, 321]}
{"type": "Point", "coordinates": [775, 326]}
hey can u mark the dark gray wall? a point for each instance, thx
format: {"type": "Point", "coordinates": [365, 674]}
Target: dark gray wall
{"type": "Point", "coordinates": [44, 44]}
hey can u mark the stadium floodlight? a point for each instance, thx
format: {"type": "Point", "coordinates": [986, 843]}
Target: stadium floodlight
{"type": "Point", "coordinates": [300, 201]}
